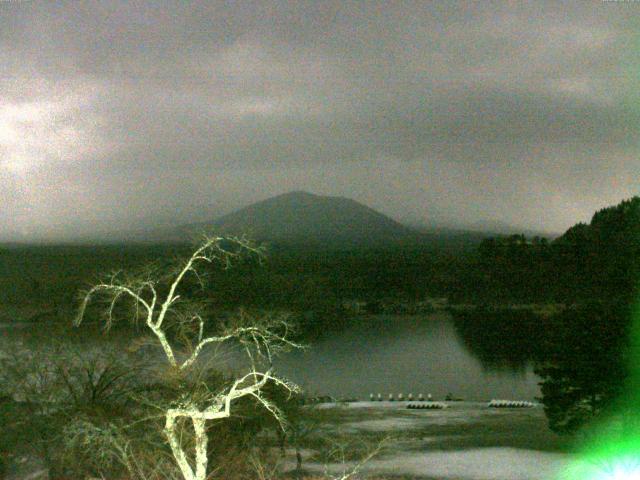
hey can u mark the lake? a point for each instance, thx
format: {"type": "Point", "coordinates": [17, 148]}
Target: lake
{"type": "Point", "coordinates": [382, 354]}
{"type": "Point", "coordinates": [404, 354]}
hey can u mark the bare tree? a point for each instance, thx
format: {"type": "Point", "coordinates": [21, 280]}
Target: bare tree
{"type": "Point", "coordinates": [157, 302]}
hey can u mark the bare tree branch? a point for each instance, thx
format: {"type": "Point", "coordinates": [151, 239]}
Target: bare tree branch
{"type": "Point", "coordinates": [261, 338]}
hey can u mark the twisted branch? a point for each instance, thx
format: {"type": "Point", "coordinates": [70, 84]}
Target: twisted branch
{"type": "Point", "coordinates": [260, 339]}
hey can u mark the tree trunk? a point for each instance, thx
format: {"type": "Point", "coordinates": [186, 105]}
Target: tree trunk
{"type": "Point", "coordinates": [298, 462]}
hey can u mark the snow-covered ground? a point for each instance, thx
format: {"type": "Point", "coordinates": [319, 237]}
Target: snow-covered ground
{"type": "Point", "coordinates": [466, 441]}
{"type": "Point", "coordinates": [497, 463]}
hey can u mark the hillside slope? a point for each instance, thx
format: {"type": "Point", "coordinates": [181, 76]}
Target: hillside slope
{"type": "Point", "coordinates": [300, 217]}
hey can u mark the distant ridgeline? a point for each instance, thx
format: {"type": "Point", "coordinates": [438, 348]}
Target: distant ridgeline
{"type": "Point", "coordinates": [600, 260]}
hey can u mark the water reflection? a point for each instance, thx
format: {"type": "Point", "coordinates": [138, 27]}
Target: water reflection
{"type": "Point", "coordinates": [392, 354]}
{"type": "Point", "coordinates": [379, 354]}
{"type": "Point", "coordinates": [502, 339]}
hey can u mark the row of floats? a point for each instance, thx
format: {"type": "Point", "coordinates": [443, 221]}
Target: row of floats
{"type": "Point", "coordinates": [428, 403]}
{"type": "Point", "coordinates": [491, 404]}
{"type": "Point", "coordinates": [427, 406]}
{"type": "Point", "coordinates": [400, 398]}
{"type": "Point", "coordinates": [510, 404]}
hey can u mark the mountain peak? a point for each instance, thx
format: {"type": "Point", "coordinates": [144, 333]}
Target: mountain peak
{"type": "Point", "coordinates": [303, 217]}
{"type": "Point", "coordinates": [297, 193]}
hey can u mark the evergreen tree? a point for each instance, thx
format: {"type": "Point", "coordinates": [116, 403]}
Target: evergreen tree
{"type": "Point", "coordinates": [584, 370]}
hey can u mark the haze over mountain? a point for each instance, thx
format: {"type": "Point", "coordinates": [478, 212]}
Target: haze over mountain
{"type": "Point", "coordinates": [297, 217]}
{"type": "Point", "coordinates": [486, 228]}
{"type": "Point", "coordinates": [301, 217]}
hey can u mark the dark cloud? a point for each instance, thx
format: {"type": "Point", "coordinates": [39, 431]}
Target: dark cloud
{"type": "Point", "coordinates": [115, 114]}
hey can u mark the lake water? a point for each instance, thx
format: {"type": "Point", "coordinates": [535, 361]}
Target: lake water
{"type": "Point", "coordinates": [396, 354]}
{"type": "Point", "coordinates": [389, 354]}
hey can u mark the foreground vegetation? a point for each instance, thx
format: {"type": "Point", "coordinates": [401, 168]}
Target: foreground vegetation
{"type": "Point", "coordinates": [116, 414]}
{"type": "Point", "coordinates": [103, 415]}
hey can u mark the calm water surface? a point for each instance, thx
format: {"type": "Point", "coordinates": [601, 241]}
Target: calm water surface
{"type": "Point", "coordinates": [395, 354]}
{"type": "Point", "coordinates": [388, 354]}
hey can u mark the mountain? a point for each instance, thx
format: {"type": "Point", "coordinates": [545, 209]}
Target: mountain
{"type": "Point", "coordinates": [305, 218]}
{"type": "Point", "coordinates": [480, 229]}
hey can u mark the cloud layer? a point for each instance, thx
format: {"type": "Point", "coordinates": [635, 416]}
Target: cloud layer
{"type": "Point", "coordinates": [128, 114]}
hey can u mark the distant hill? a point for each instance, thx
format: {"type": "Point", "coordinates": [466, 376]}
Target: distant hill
{"type": "Point", "coordinates": [612, 237]}
{"type": "Point", "coordinates": [304, 218]}
{"type": "Point", "coordinates": [482, 229]}
{"type": "Point", "coordinates": [617, 225]}
{"type": "Point", "coordinates": [605, 253]}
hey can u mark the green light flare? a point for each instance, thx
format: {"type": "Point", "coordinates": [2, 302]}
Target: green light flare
{"type": "Point", "coordinates": [611, 446]}
{"type": "Point", "coordinates": [608, 458]}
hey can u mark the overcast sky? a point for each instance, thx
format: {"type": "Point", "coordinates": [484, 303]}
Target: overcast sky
{"type": "Point", "coordinates": [126, 114]}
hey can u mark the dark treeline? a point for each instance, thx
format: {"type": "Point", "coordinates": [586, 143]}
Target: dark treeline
{"type": "Point", "coordinates": [43, 282]}
{"type": "Point", "coordinates": [319, 286]}
{"type": "Point", "coordinates": [596, 261]}
{"type": "Point", "coordinates": [600, 260]}
{"type": "Point", "coordinates": [315, 284]}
